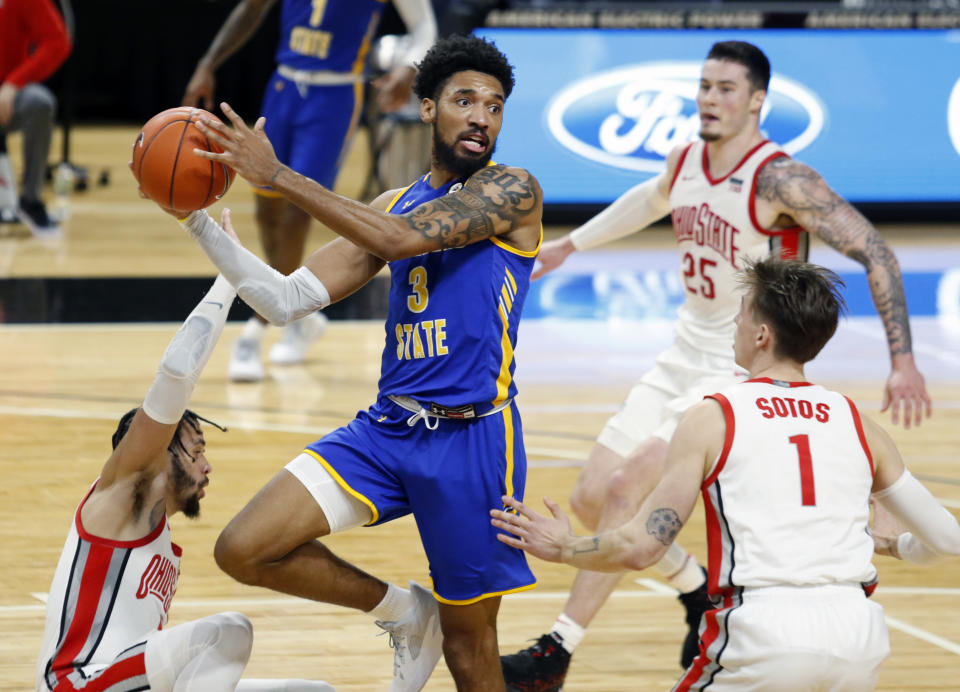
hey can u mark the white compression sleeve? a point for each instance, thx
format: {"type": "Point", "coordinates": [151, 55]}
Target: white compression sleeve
{"type": "Point", "coordinates": [188, 352]}
{"type": "Point", "coordinates": [280, 299]}
{"type": "Point", "coordinates": [421, 24]}
{"type": "Point", "coordinates": [635, 209]}
{"type": "Point", "coordinates": [933, 531]}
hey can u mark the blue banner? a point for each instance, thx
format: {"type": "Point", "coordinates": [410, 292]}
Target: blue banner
{"type": "Point", "coordinates": [877, 113]}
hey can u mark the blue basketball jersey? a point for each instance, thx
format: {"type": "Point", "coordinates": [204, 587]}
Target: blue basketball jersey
{"type": "Point", "coordinates": [453, 316]}
{"type": "Point", "coordinates": [330, 35]}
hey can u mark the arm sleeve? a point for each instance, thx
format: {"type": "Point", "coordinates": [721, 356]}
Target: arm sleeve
{"type": "Point", "coordinates": [635, 209]}
{"type": "Point", "coordinates": [933, 531]}
{"type": "Point", "coordinates": [188, 352]}
{"type": "Point", "coordinates": [421, 25]}
{"type": "Point", "coordinates": [280, 299]}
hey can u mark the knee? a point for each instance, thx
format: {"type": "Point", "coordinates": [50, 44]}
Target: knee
{"type": "Point", "coordinates": [632, 482]}
{"type": "Point", "coordinates": [232, 634]}
{"type": "Point", "coordinates": [231, 556]}
{"type": "Point", "coordinates": [38, 103]}
{"type": "Point", "coordinates": [586, 505]}
{"type": "Point", "coordinates": [467, 653]}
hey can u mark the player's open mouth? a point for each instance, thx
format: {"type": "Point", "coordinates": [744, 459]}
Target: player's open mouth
{"type": "Point", "coordinates": [475, 143]}
{"type": "Point", "coordinates": [707, 118]}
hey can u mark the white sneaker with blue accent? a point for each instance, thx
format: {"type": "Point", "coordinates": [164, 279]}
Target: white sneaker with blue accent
{"type": "Point", "coordinates": [245, 364]}
{"type": "Point", "coordinates": [416, 640]}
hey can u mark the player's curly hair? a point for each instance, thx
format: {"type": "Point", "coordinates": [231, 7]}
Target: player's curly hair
{"type": "Point", "coordinates": [454, 54]}
{"type": "Point", "coordinates": [189, 418]}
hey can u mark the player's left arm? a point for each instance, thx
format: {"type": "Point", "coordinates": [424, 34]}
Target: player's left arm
{"type": "Point", "coordinates": [643, 540]}
{"type": "Point", "coordinates": [796, 190]}
{"type": "Point", "coordinates": [495, 201]}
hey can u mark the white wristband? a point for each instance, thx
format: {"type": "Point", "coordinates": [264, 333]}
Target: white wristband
{"type": "Point", "coordinates": [279, 299]}
{"type": "Point", "coordinates": [634, 210]}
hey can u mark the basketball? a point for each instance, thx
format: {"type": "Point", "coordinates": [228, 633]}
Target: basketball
{"type": "Point", "coordinates": [169, 172]}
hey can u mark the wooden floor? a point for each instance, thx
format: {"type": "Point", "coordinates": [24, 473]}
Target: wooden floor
{"type": "Point", "coordinates": [63, 387]}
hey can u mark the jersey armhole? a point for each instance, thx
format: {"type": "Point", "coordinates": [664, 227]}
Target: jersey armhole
{"type": "Point", "coordinates": [858, 424]}
{"type": "Point", "coordinates": [729, 429]}
{"type": "Point", "coordinates": [683, 157]}
{"type": "Point", "coordinates": [752, 202]}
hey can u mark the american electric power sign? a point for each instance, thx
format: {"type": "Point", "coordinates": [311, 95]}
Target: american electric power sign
{"type": "Point", "coordinates": [877, 113]}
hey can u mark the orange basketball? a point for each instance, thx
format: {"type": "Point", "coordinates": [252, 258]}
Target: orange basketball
{"type": "Point", "coordinates": [169, 172]}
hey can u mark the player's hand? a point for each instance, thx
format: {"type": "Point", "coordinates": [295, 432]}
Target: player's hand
{"type": "Point", "coordinates": [247, 151]}
{"type": "Point", "coordinates": [906, 391]}
{"type": "Point", "coordinates": [199, 92]}
{"type": "Point", "coordinates": [226, 224]}
{"type": "Point", "coordinates": [552, 254]}
{"type": "Point", "coordinates": [8, 93]}
{"type": "Point", "coordinates": [394, 88]}
{"type": "Point", "coordinates": [533, 532]}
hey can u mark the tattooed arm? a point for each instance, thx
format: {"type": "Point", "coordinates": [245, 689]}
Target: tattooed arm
{"type": "Point", "coordinates": [795, 190]}
{"type": "Point", "coordinates": [643, 540]}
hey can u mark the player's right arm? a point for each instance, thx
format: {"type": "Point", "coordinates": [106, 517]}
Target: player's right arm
{"type": "Point", "coordinates": [243, 21]}
{"type": "Point", "coordinates": [632, 211]}
{"type": "Point", "coordinates": [932, 530]}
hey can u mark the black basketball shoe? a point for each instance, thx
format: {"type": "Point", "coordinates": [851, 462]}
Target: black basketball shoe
{"type": "Point", "coordinates": [696, 603]}
{"type": "Point", "coordinates": [541, 668]}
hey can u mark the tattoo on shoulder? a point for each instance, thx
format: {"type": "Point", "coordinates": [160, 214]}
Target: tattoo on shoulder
{"type": "Point", "coordinates": [664, 524]}
{"type": "Point", "coordinates": [796, 188]}
{"type": "Point", "coordinates": [594, 547]}
{"type": "Point", "coordinates": [493, 201]}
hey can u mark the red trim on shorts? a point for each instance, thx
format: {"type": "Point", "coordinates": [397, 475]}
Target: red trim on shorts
{"type": "Point", "coordinates": [683, 157]}
{"type": "Point", "coordinates": [863, 438]}
{"type": "Point", "coordinates": [128, 668]}
{"type": "Point", "coordinates": [710, 634]}
{"type": "Point", "coordinates": [791, 232]}
{"type": "Point", "coordinates": [706, 163]}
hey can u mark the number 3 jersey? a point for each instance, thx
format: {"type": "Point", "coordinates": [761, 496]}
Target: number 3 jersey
{"type": "Point", "coordinates": [716, 226]}
{"type": "Point", "coordinates": [453, 316]}
{"type": "Point", "coordinates": [787, 500]}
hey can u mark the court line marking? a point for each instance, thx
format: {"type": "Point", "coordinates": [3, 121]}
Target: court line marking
{"type": "Point", "coordinates": [923, 635]}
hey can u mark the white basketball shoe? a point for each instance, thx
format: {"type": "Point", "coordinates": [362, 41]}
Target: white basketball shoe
{"type": "Point", "coordinates": [416, 640]}
{"type": "Point", "coordinates": [297, 337]}
{"type": "Point", "coordinates": [245, 364]}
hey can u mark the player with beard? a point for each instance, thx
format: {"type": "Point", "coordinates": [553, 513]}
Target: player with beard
{"type": "Point", "coordinates": [118, 571]}
{"type": "Point", "coordinates": [444, 438]}
{"type": "Point", "coordinates": [733, 195]}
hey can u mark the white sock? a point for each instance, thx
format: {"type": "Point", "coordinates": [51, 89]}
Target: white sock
{"type": "Point", "coordinates": [394, 605]}
{"type": "Point", "coordinates": [680, 569]}
{"type": "Point", "coordinates": [570, 633]}
{"type": "Point", "coordinates": [253, 329]}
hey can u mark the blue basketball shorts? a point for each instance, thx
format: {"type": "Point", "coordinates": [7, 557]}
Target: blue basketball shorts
{"type": "Point", "coordinates": [310, 127]}
{"type": "Point", "coordinates": [449, 479]}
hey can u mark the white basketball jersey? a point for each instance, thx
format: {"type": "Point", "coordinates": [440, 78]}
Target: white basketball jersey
{"type": "Point", "coordinates": [787, 501]}
{"type": "Point", "coordinates": [105, 597]}
{"type": "Point", "coordinates": [716, 226]}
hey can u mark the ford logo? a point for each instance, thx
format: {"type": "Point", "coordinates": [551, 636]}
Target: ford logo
{"type": "Point", "coordinates": [632, 117]}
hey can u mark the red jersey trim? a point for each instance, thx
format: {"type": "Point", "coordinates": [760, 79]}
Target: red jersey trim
{"type": "Point", "coordinates": [727, 438]}
{"type": "Point", "coordinates": [706, 163]}
{"type": "Point", "coordinates": [683, 157]}
{"type": "Point", "coordinates": [768, 380]}
{"type": "Point", "coordinates": [863, 438]}
{"type": "Point", "coordinates": [91, 538]}
{"type": "Point", "coordinates": [752, 207]}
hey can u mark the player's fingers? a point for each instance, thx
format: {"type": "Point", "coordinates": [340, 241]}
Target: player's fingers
{"type": "Point", "coordinates": [553, 507]}
{"type": "Point", "coordinates": [212, 155]}
{"type": "Point", "coordinates": [538, 272]}
{"type": "Point", "coordinates": [510, 540]}
{"type": "Point", "coordinates": [217, 137]}
{"type": "Point", "coordinates": [233, 116]}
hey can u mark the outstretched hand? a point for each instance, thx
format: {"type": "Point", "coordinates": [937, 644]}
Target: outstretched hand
{"type": "Point", "coordinates": [227, 225]}
{"type": "Point", "coordinates": [246, 151]}
{"type": "Point", "coordinates": [552, 254]}
{"type": "Point", "coordinates": [533, 532]}
{"type": "Point", "coordinates": [906, 392]}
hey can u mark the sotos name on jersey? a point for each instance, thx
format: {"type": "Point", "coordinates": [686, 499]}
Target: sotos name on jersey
{"type": "Point", "coordinates": [787, 407]}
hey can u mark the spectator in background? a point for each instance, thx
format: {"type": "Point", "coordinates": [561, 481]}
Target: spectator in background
{"type": "Point", "coordinates": [33, 45]}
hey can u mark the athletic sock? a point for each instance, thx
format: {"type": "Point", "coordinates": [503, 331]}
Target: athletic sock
{"type": "Point", "coordinates": [394, 605]}
{"type": "Point", "coordinates": [569, 633]}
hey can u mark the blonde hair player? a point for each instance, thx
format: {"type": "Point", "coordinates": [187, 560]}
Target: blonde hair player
{"type": "Point", "coordinates": [789, 549]}
{"type": "Point", "coordinates": [732, 195]}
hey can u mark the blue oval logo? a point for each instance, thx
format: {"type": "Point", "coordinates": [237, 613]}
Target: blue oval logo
{"type": "Point", "coordinates": [632, 117]}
